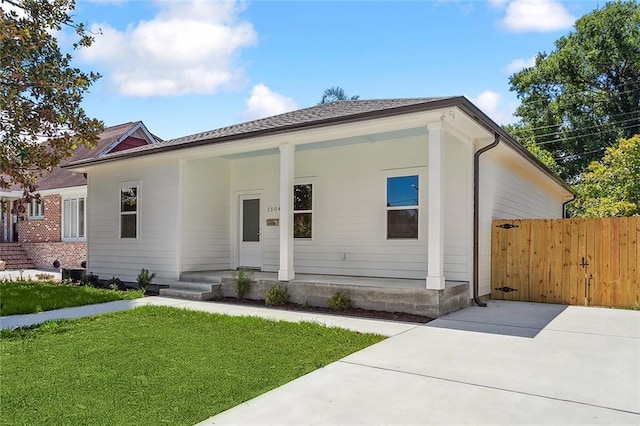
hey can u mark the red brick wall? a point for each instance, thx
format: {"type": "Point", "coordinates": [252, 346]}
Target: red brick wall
{"type": "Point", "coordinates": [46, 229]}
{"type": "Point", "coordinates": [69, 254]}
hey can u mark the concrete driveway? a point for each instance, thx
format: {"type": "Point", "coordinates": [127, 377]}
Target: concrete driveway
{"type": "Point", "coordinates": [509, 363]}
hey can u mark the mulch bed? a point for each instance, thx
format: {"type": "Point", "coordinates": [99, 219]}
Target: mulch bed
{"type": "Point", "coordinates": [352, 312]}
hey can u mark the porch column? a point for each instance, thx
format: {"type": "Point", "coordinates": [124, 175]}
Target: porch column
{"type": "Point", "coordinates": [435, 227]}
{"type": "Point", "coordinates": [286, 272]}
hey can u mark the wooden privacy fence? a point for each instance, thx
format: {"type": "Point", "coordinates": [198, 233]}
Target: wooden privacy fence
{"type": "Point", "coordinates": [593, 262]}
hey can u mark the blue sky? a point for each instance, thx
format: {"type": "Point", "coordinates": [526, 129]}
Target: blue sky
{"type": "Point", "coordinates": [188, 66]}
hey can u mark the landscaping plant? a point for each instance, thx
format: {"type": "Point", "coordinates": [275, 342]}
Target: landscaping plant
{"type": "Point", "coordinates": [276, 295]}
{"type": "Point", "coordinates": [243, 283]}
{"type": "Point", "coordinates": [340, 302]}
{"type": "Point", "coordinates": [145, 278]}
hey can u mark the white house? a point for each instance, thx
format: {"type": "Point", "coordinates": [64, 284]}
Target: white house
{"type": "Point", "coordinates": [367, 188]}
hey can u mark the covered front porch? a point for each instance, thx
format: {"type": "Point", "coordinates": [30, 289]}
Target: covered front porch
{"type": "Point", "coordinates": [383, 294]}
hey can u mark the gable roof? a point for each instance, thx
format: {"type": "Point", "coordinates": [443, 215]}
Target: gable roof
{"type": "Point", "coordinates": [110, 137]}
{"type": "Point", "coordinates": [325, 115]}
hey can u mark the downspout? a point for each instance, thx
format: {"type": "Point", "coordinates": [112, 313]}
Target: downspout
{"type": "Point", "coordinates": [564, 205]}
{"type": "Point", "coordinates": [476, 214]}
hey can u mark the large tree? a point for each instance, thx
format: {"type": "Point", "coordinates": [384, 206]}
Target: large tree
{"type": "Point", "coordinates": [585, 95]}
{"type": "Point", "coordinates": [40, 91]}
{"type": "Point", "coordinates": [611, 186]}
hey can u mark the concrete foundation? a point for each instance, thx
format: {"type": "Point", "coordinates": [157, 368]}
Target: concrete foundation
{"type": "Point", "coordinates": [390, 295]}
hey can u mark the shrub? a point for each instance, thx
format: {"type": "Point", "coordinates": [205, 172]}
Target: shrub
{"type": "Point", "coordinates": [90, 279]}
{"type": "Point", "coordinates": [276, 295]}
{"type": "Point", "coordinates": [144, 278]}
{"type": "Point", "coordinates": [243, 283]}
{"type": "Point", "coordinates": [116, 283]}
{"type": "Point", "coordinates": [44, 276]}
{"type": "Point", "coordinates": [340, 301]}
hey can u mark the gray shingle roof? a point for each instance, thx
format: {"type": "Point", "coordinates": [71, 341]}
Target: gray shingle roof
{"type": "Point", "coordinates": [315, 115]}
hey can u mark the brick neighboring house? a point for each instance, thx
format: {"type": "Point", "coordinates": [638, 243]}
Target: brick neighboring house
{"type": "Point", "coordinates": [52, 233]}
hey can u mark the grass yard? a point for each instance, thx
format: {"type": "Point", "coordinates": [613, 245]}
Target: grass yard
{"type": "Point", "coordinates": [156, 365]}
{"type": "Point", "coordinates": [26, 297]}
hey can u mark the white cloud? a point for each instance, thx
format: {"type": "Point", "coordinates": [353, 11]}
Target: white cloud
{"type": "Point", "coordinates": [188, 47]}
{"type": "Point", "coordinates": [492, 104]}
{"type": "Point", "coordinates": [520, 64]}
{"type": "Point", "coordinates": [263, 103]}
{"type": "Point", "coordinates": [537, 15]}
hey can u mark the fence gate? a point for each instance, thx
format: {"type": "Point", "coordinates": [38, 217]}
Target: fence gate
{"type": "Point", "coordinates": [593, 262]}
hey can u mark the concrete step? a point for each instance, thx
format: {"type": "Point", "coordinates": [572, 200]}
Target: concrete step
{"type": "Point", "coordinates": [188, 294]}
{"type": "Point", "coordinates": [199, 277]}
{"type": "Point", "coordinates": [190, 285]}
{"type": "Point", "coordinates": [192, 290]}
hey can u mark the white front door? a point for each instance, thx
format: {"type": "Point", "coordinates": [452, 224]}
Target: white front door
{"type": "Point", "coordinates": [249, 236]}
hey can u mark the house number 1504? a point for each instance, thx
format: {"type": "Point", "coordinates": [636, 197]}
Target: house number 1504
{"type": "Point", "coordinates": [273, 209]}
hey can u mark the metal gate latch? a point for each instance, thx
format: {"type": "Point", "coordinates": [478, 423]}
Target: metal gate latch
{"type": "Point", "coordinates": [506, 289]}
{"type": "Point", "coordinates": [507, 226]}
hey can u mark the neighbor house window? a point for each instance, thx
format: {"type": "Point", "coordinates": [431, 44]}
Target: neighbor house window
{"type": "Point", "coordinates": [129, 212]}
{"type": "Point", "coordinates": [402, 207]}
{"type": "Point", "coordinates": [302, 210]}
{"type": "Point", "coordinates": [36, 209]}
{"type": "Point", "coordinates": [74, 218]}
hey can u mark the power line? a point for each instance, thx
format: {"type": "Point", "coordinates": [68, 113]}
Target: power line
{"type": "Point", "coordinates": [610, 123]}
{"type": "Point", "coordinates": [560, 124]}
{"type": "Point", "coordinates": [580, 136]}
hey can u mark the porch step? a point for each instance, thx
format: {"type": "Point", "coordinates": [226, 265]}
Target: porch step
{"type": "Point", "coordinates": [199, 277]}
{"type": "Point", "coordinates": [192, 290]}
{"type": "Point", "coordinates": [15, 257]}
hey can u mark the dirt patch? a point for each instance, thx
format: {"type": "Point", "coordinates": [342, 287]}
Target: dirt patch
{"type": "Point", "coordinates": [352, 312]}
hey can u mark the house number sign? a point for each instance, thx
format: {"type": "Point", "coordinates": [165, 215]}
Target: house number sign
{"type": "Point", "coordinates": [273, 209]}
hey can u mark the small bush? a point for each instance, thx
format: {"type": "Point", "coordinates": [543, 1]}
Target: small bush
{"type": "Point", "coordinates": [243, 283]}
{"type": "Point", "coordinates": [340, 301]}
{"type": "Point", "coordinates": [116, 283]}
{"type": "Point", "coordinates": [44, 276]}
{"type": "Point", "coordinates": [90, 279]}
{"type": "Point", "coordinates": [145, 278]}
{"type": "Point", "coordinates": [276, 295]}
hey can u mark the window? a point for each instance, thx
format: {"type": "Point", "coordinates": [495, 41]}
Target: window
{"type": "Point", "coordinates": [36, 209]}
{"type": "Point", "coordinates": [73, 218]}
{"type": "Point", "coordinates": [302, 210]}
{"type": "Point", "coordinates": [129, 212]}
{"type": "Point", "coordinates": [402, 207]}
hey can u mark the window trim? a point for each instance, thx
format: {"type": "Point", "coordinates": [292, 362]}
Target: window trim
{"type": "Point", "coordinates": [77, 198]}
{"type": "Point", "coordinates": [125, 186]}
{"type": "Point", "coordinates": [313, 203]}
{"type": "Point", "coordinates": [422, 210]}
{"type": "Point", "coordinates": [31, 206]}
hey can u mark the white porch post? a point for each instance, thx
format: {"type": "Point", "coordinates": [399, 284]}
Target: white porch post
{"type": "Point", "coordinates": [286, 272]}
{"type": "Point", "coordinates": [435, 227]}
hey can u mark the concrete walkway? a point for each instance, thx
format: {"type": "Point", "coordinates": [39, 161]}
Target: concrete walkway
{"type": "Point", "coordinates": [509, 363]}
{"type": "Point", "coordinates": [385, 328]}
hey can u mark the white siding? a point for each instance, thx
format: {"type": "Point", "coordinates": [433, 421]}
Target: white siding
{"type": "Point", "coordinates": [511, 188]}
{"type": "Point", "coordinates": [348, 208]}
{"type": "Point", "coordinates": [206, 213]}
{"type": "Point", "coordinates": [156, 246]}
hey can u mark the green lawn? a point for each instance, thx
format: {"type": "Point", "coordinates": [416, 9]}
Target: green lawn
{"type": "Point", "coordinates": [156, 365]}
{"type": "Point", "coordinates": [25, 297]}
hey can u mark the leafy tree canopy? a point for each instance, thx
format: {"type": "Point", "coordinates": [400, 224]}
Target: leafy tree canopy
{"type": "Point", "coordinates": [583, 96]}
{"type": "Point", "coordinates": [40, 92]}
{"type": "Point", "coordinates": [334, 94]}
{"type": "Point", "coordinates": [611, 187]}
